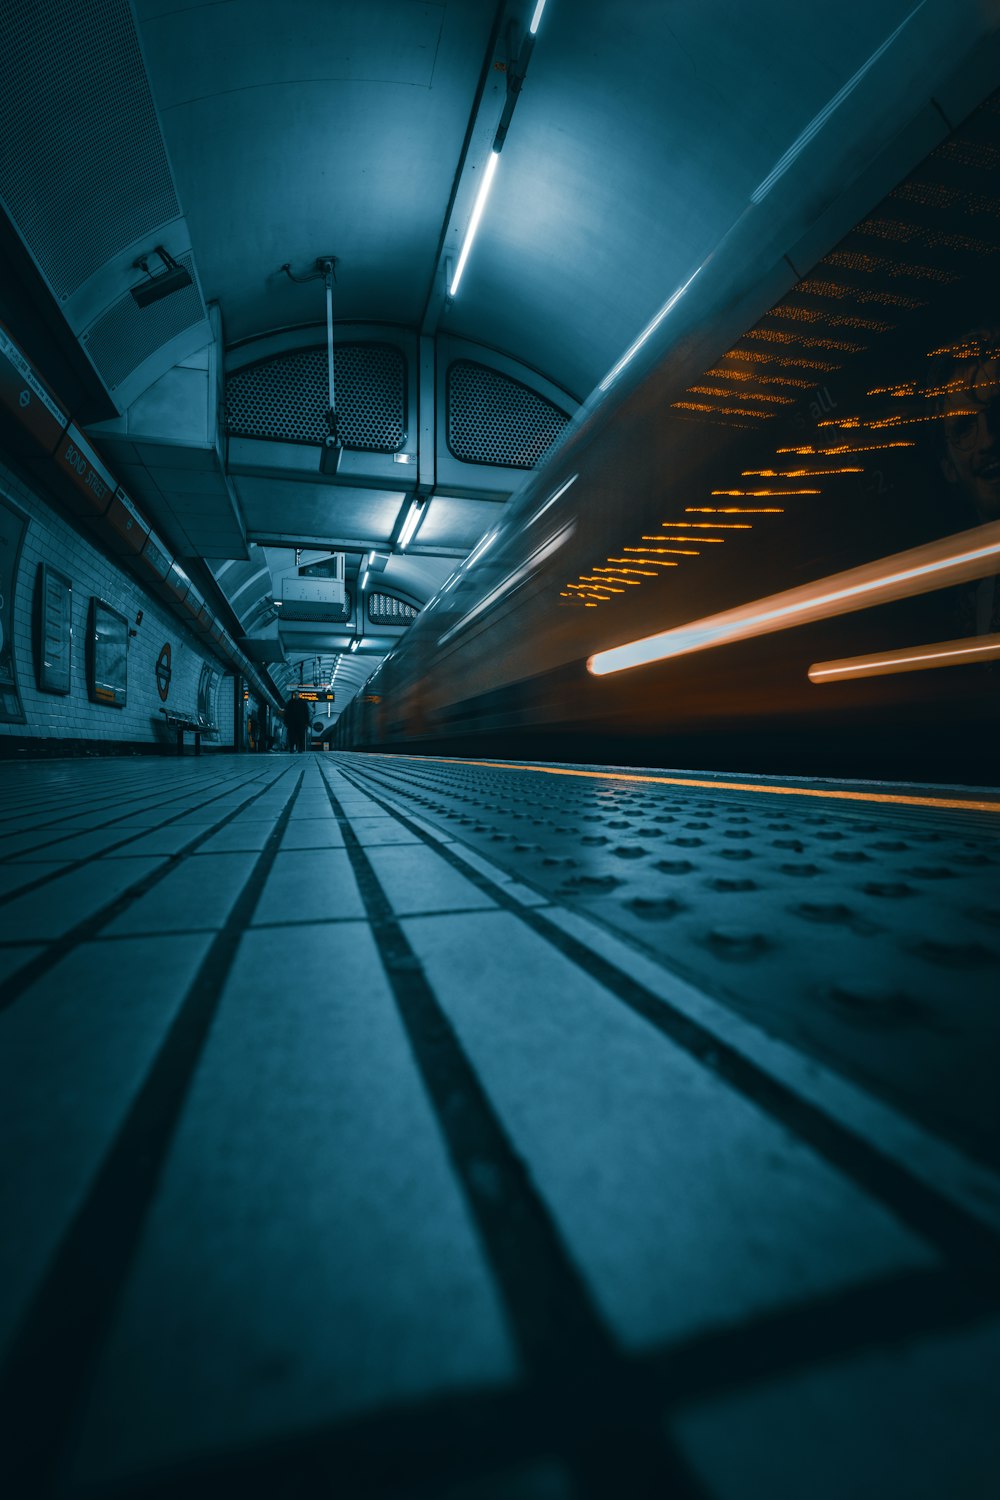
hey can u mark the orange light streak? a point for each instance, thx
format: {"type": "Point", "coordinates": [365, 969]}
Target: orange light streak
{"type": "Point", "coordinates": [834, 795]}
{"type": "Point", "coordinates": [796, 473]}
{"type": "Point", "coordinates": [919, 570]}
{"type": "Point", "coordinates": [676, 551]}
{"type": "Point", "coordinates": [958, 653]}
{"type": "Point", "coordinates": [726, 411]}
{"type": "Point", "coordinates": [753, 493]}
{"type": "Point", "coordinates": [846, 448]}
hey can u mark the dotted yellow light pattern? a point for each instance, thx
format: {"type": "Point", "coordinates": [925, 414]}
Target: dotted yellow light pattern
{"type": "Point", "coordinates": [836, 289]}
{"type": "Point", "coordinates": [968, 153]}
{"type": "Point", "coordinates": [784, 361]}
{"type": "Point", "coordinates": [760, 493]}
{"type": "Point", "coordinates": [935, 195]}
{"type": "Point", "coordinates": [807, 448]}
{"type": "Point", "coordinates": [897, 229]}
{"type": "Point", "coordinates": [758, 379]}
{"type": "Point", "coordinates": [730, 411]}
{"type": "Point", "coordinates": [798, 473]}
{"type": "Point", "coordinates": [854, 260]}
{"type": "Point", "coordinates": [714, 390]}
{"type": "Point", "coordinates": [779, 336]}
{"type": "Point", "coordinates": [835, 320]}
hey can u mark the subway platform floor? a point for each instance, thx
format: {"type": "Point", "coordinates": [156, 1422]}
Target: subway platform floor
{"type": "Point", "coordinates": [386, 1126]}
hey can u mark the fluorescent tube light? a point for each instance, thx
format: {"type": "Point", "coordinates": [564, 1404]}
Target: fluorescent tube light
{"type": "Point", "coordinates": [536, 17]}
{"type": "Point", "coordinates": [409, 525]}
{"type": "Point", "coordinates": [477, 214]}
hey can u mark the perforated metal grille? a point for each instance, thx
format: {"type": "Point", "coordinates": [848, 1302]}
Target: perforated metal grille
{"type": "Point", "coordinates": [126, 334]}
{"type": "Point", "coordinates": [78, 125]}
{"type": "Point", "coordinates": [385, 609]}
{"type": "Point", "coordinates": [287, 397]}
{"type": "Point", "coordinates": [493, 419]}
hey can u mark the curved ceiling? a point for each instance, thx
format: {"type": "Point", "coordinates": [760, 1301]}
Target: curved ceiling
{"type": "Point", "coordinates": [638, 135]}
{"type": "Point", "coordinates": [638, 138]}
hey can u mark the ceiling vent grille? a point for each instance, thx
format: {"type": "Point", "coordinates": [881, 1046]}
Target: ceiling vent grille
{"type": "Point", "coordinates": [494, 419]}
{"type": "Point", "coordinates": [83, 170]}
{"type": "Point", "coordinates": [385, 609]}
{"type": "Point", "coordinates": [121, 338]}
{"type": "Point", "coordinates": [286, 398]}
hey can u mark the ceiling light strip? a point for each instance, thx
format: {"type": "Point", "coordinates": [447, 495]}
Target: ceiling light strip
{"type": "Point", "coordinates": [477, 214]}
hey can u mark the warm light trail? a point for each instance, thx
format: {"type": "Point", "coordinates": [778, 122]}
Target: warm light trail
{"type": "Point", "coordinates": [796, 473]}
{"type": "Point", "coordinates": [838, 795]}
{"type": "Point", "coordinates": [909, 659]}
{"type": "Point", "coordinates": [920, 570]}
{"type": "Point", "coordinates": [753, 494]}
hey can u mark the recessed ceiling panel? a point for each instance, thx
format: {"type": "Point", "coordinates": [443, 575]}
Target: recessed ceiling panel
{"type": "Point", "coordinates": [455, 523]}
{"type": "Point", "coordinates": [288, 508]}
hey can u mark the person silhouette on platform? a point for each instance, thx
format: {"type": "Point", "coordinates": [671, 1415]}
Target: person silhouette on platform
{"type": "Point", "coordinates": [296, 722]}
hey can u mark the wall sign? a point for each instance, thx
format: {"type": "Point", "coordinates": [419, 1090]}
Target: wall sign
{"type": "Point", "coordinates": [13, 525]}
{"type": "Point", "coordinates": [107, 655]}
{"type": "Point", "coordinates": [163, 672]}
{"type": "Point", "coordinates": [53, 630]}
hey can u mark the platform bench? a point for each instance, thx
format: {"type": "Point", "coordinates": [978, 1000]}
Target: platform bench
{"type": "Point", "coordinates": [196, 724]}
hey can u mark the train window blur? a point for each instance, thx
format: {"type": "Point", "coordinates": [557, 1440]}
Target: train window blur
{"type": "Point", "coordinates": [855, 420]}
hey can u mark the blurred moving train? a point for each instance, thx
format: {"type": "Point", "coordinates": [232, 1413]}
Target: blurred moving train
{"type": "Point", "coordinates": [797, 510]}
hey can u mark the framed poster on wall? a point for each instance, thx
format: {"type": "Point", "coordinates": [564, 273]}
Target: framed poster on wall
{"type": "Point", "coordinates": [53, 630]}
{"type": "Point", "coordinates": [107, 655]}
{"type": "Point", "coordinates": [13, 525]}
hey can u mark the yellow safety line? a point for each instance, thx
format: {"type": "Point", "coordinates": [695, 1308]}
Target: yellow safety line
{"type": "Point", "coordinates": [721, 786]}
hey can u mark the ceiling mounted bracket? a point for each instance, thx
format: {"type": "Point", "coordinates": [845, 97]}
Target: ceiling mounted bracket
{"type": "Point", "coordinates": [333, 448]}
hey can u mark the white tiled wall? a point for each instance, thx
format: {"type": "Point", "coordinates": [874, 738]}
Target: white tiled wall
{"type": "Point", "coordinates": [52, 540]}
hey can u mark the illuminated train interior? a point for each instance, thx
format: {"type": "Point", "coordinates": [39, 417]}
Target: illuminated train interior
{"type": "Point", "coordinates": [832, 475]}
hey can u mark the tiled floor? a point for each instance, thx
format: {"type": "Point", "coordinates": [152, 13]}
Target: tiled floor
{"type": "Point", "coordinates": [388, 1127]}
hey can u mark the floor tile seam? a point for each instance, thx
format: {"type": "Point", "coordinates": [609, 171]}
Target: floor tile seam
{"type": "Point", "coordinates": [82, 832]}
{"type": "Point", "coordinates": [951, 1227]}
{"type": "Point", "coordinates": [111, 801]}
{"type": "Point", "coordinates": [560, 1336]}
{"type": "Point", "coordinates": [59, 948]}
{"type": "Point", "coordinates": [459, 1437]}
{"type": "Point", "coordinates": [45, 1379]}
{"type": "Point", "coordinates": [112, 798]}
{"type": "Point", "coordinates": [416, 1445]}
{"type": "Point", "coordinates": [294, 923]}
{"type": "Point", "coordinates": [890, 1311]}
{"type": "Point", "coordinates": [72, 866]}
